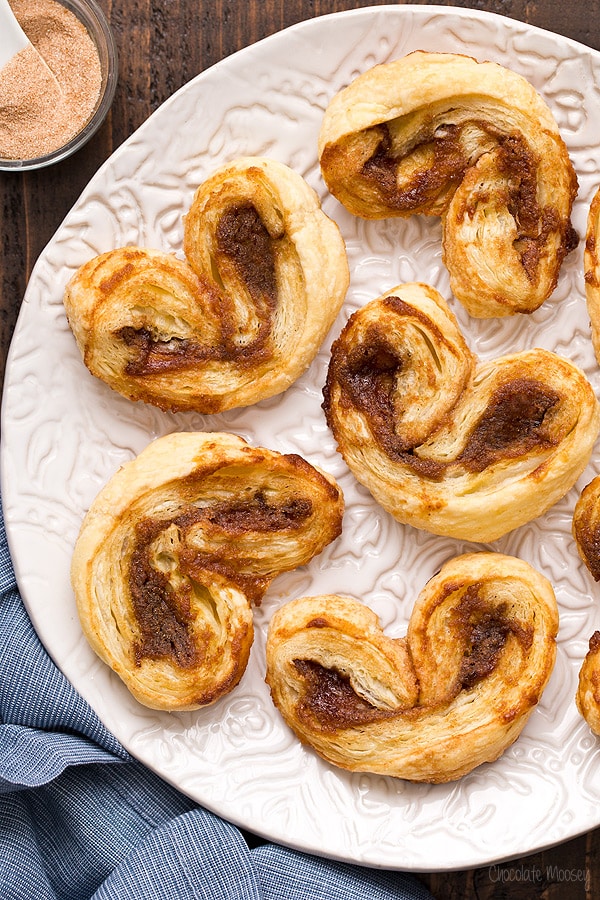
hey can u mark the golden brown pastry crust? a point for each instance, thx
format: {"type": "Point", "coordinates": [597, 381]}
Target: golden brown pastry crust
{"type": "Point", "coordinates": [453, 694]}
{"type": "Point", "coordinates": [443, 442]}
{"type": "Point", "coordinates": [586, 526]}
{"type": "Point", "coordinates": [176, 547]}
{"type": "Point", "coordinates": [442, 134]}
{"type": "Point", "coordinates": [240, 320]}
{"type": "Point", "coordinates": [591, 262]}
{"type": "Point", "coordinates": [587, 697]}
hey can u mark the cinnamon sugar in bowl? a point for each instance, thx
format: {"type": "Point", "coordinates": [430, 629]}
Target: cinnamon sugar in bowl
{"type": "Point", "coordinates": [47, 112]}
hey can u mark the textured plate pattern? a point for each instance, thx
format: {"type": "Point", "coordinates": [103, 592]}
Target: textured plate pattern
{"type": "Point", "coordinates": [64, 434]}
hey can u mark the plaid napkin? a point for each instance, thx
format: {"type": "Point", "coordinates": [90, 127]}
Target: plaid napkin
{"type": "Point", "coordinates": [81, 820]}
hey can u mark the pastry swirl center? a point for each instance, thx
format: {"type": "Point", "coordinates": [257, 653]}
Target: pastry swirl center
{"type": "Point", "coordinates": [169, 568]}
{"type": "Point", "coordinates": [514, 421]}
{"type": "Point", "coordinates": [243, 244]}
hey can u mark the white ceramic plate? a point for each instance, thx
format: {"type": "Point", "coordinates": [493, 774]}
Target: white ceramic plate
{"type": "Point", "coordinates": [65, 433]}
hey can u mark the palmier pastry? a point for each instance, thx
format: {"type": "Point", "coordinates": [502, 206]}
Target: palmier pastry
{"type": "Point", "coordinates": [591, 260]}
{"type": "Point", "coordinates": [442, 134]}
{"type": "Point", "coordinates": [443, 442]}
{"type": "Point", "coordinates": [176, 548]}
{"type": "Point", "coordinates": [586, 526]}
{"type": "Point", "coordinates": [587, 697]}
{"type": "Point", "coordinates": [455, 693]}
{"type": "Point", "coordinates": [240, 320]}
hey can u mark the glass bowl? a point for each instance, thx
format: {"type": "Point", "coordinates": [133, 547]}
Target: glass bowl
{"type": "Point", "coordinates": [92, 16]}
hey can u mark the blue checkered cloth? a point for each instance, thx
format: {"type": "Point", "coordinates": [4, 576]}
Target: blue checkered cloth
{"type": "Point", "coordinates": [81, 820]}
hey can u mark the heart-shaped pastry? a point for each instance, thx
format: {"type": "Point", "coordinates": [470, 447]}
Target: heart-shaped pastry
{"type": "Point", "coordinates": [446, 443]}
{"type": "Point", "coordinates": [591, 262]}
{"type": "Point", "coordinates": [177, 547]}
{"type": "Point", "coordinates": [586, 526]}
{"type": "Point", "coordinates": [240, 319]}
{"type": "Point", "coordinates": [442, 134]}
{"type": "Point", "coordinates": [587, 697]}
{"type": "Point", "coordinates": [454, 693]}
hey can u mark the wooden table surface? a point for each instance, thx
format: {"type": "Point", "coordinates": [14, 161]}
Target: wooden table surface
{"type": "Point", "coordinates": [162, 44]}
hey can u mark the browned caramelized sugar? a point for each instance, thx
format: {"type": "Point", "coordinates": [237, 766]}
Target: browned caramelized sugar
{"type": "Point", "coordinates": [484, 633]}
{"type": "Point", "coordinates": [121, 274]}
{"type": "Point", "coordinates": [587, 529]}
{"type": "Point", "coordinates": [245, 245]}
{"type": "Point", "coordinates": [534, 223]}
{"type": "Point", "coordinates": [259, 515]}
{"type": "Point", "coordinates": [482, 629]}
{"type": "Point", "coordinates": [591, 277]}
{"type": "Point", "coordinates": [243, 238]}
{"type": "Point", "coordinates": [594, 644]}
{"type": "Point", "coordinates": [487, 641]}
{"type": "Point", "coordinates": [517, 166]}
{"type": "Point", "coordinates": [330, 699]}
{"type": "Point", "coordinates": [164, 615]}
{"type": "Point", "coordinates": [513, 424]}
{"type": "Point", "coordinates": [427, 184]}
{"type": "Point", "coordinates": [151, 356]}
{"type": "Point", "coordinates": [367, 376]}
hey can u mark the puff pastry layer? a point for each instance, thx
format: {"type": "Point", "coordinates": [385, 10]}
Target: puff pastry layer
{"type": "Point", "coordinates": [591, 262]}
{"type": "Point", "coordinates": [179, 544]}
{"type": "Point", "coordinates": [444, 442]}
{"type": "Point", "coordinates": [587, 697]}
{"type": "Point", "coordinates": [455, 693]}
{"type": "Point", "coordinates": [586, 526]}
{"type": "Point", "coordinates": [240, 320]}
{"type": "Point", "coordinates": [442, 134]}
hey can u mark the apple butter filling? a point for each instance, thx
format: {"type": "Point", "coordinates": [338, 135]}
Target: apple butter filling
{"type": "Point", "coordinates": [244, 247]}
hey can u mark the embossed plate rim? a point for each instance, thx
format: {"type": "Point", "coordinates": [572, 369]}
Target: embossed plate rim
{"type": "Point", "coordinates": [364, 819]}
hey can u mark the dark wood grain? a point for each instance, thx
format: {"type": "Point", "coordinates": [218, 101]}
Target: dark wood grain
{"type": "Point", "coordinates": [162, 44]}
